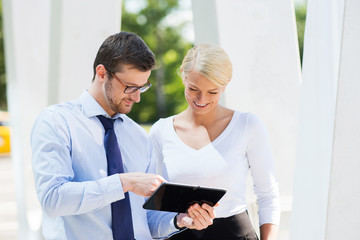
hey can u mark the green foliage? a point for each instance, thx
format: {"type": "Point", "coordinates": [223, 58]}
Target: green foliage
{"type": "Point", "coordinates": [300, 12]}
{"type": "Point", "coordinates": [166, 96]}
{"type": "Point", "coordinates": [3, 102]}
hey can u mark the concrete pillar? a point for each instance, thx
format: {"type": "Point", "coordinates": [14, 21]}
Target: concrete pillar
{"type": "Point", "coordinates": [316, 121]}
{"type": "Point", "coordinates": [261, 40]}
{"type": "Point", "coordinates": [50, 47]}
{"type": "Point", "coordinates": [326, 192]}
{"type": "Point", "coordinates": [344, 191]}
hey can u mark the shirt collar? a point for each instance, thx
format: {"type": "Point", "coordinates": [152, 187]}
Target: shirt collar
{"type": "Point", "coordinates": [92, 108]}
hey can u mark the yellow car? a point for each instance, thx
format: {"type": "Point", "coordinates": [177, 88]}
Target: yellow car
{"type": "Point", "coordinates": [4, 133]}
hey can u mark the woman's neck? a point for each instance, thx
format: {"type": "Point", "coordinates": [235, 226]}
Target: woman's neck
{"type": "Point", "coordinates": [205, 119]}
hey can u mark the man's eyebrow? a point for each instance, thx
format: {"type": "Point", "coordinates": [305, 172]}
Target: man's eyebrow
{"type": "Point", "coordinates": [134, 85]}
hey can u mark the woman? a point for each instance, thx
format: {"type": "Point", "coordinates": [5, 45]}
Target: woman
{"type": "Point", "coordinates": [210, 145]}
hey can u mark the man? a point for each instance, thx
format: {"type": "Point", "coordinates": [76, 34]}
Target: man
{"type": "Point", "coordinates": [91, 162]}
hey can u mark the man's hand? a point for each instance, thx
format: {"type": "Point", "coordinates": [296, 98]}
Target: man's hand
{"type": "Point", "coordinates": [197, 217]}
{"type": "Point", "coordinates": [143, 184]}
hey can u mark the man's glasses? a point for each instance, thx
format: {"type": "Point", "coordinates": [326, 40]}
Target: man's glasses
{"type": "Point", "coordinates": [131, 89]}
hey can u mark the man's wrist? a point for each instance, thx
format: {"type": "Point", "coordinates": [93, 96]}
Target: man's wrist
{"type": "Point", "coordinates": [125, 182]}
{"type": "Point", "coordinates": [175, 223]}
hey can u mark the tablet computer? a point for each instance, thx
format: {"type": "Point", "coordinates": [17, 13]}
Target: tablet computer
{"type": "Point", "coordinates": [174, 197]}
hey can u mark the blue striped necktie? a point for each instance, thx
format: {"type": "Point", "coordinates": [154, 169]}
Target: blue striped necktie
{"type": "Point", "coordinates": [122, 225]}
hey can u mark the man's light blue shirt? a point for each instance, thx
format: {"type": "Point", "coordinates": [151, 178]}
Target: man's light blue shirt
{"type": "Point", "coordinates": [70, 171]}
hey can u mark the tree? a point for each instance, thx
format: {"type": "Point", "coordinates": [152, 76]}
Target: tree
{"type": "Point", "coordinates": [165, 98]}
{"type": "Point", "coordinates": [300, 12]}
{"type": "Point", "coordinates": [3, 101]}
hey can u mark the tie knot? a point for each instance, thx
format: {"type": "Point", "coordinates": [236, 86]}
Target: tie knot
{"type": "Point", "coordinates": [108, 123]}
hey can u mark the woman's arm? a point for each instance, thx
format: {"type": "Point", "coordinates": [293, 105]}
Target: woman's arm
{"type": "Point", "coordinates": [262, 169]}
{"type": "Point", "coordinates": [268, 231]}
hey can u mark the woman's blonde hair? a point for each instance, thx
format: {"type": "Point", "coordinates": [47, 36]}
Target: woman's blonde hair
{"type": "Point", "coordinates": [209, 60]}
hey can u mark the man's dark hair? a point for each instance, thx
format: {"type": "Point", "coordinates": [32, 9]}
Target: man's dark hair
{"type": "Point", "coordinates": [124, 48]}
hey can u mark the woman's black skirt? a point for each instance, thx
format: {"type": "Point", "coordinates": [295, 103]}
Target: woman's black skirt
{"type": "Point", "coordinates": [237, 227]}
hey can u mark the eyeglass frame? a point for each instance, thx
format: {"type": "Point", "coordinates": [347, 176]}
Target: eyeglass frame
{"type": "Point", "coordinates": [133, 89]}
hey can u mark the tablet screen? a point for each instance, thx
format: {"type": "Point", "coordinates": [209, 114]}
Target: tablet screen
{"type": "Point", "coordinates": [173, 197]}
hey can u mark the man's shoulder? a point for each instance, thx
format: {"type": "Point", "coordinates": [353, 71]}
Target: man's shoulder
{"type": "Point", "coordinates": [133, 125]}
{"type": "Point", "coordinates": [64, 106]}
{"type": "Point", "coordinates": [60, 110]}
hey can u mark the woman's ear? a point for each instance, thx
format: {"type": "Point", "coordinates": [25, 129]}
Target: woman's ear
{"type": "Point", "coordinates": [181, 73]}
{"type": "Point", "coordinates": [183, 78]}
{"type": "Point", "coordinates": [225, 85]}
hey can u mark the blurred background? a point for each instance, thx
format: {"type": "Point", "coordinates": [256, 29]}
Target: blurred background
{"type": "Point", "coordinates": [167, 28]}
{"type": "Point", "coordinates": [302, 94]}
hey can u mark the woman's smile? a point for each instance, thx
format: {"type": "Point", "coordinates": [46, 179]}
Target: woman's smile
{"type": "Point", "coordinates": [200, 105]}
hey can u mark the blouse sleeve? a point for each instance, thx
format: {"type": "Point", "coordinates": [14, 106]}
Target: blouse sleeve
{"type": "Point", "coordinates": [261, 165]}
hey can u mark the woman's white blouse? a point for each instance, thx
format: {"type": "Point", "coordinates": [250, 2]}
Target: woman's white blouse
{"type": "Point", "coordinates": [224, 163]}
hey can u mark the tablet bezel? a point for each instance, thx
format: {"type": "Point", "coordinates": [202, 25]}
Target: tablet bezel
{"type": "Point", "coordinates": [175, 197]}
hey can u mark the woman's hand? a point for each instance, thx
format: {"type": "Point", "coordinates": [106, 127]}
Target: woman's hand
{"type": "Point", "coordinates": [198, 217]}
